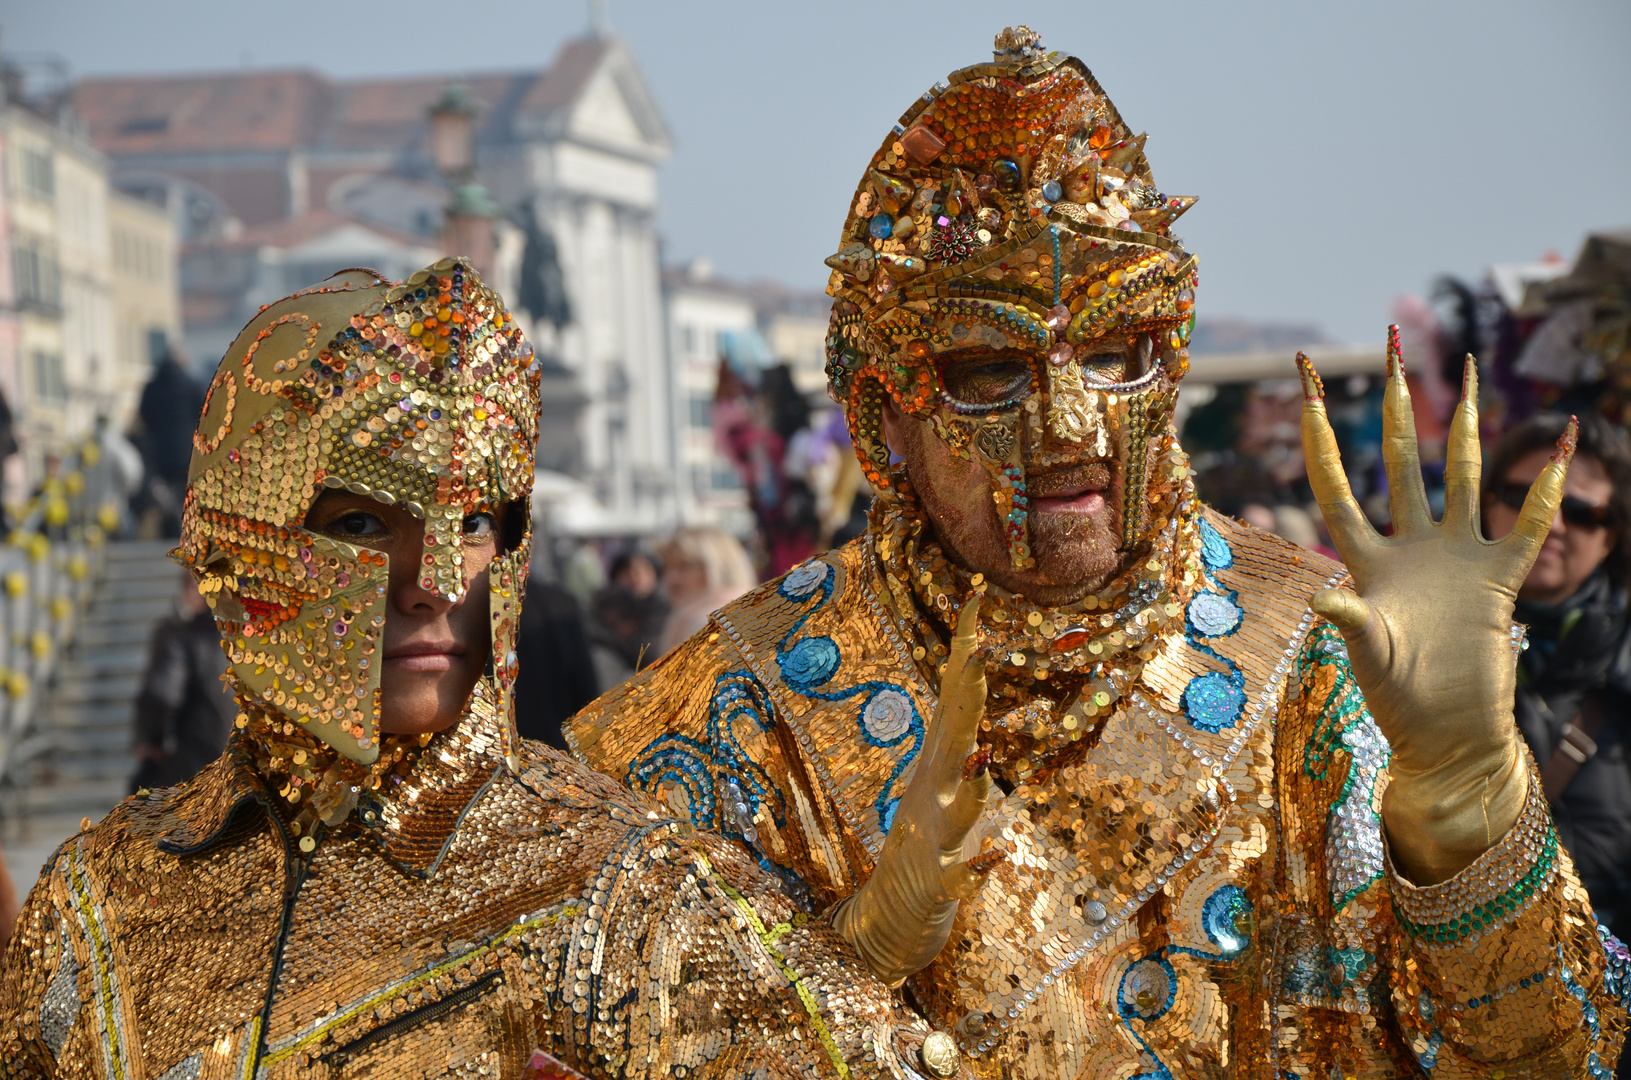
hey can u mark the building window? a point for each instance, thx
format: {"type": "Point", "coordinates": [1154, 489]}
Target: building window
{"type": "Point", "coordinates": [39, 279]}
{"type": "Point", "coordinates": [48, 381]}
{"type": "Point", "coordinates": [39, 175]}
{"type": "Point", "coordinates": [688, 339]}
{"type": "Point", "coordinates": [702, 411]}
{"type": "Point", "coordinates": [726, 478]}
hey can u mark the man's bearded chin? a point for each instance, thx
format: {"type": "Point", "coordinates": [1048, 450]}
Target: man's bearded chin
{"type": "Point", "coordinates": [1076, 553]}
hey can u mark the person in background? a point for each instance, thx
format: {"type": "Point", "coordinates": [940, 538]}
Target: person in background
{"type": "Point", "coordinates": [8, 447]}
{"type": "Point", "coordinates": [706, 568]}
{"type": "Point", "coordinates": [557, 669]}
{"type": "Point", "coordinates": [169, 408]}
{"type": "Point", "coordinates": [626, 618]}
{"type": "Point", "coordinates": [1574, 679]}
{"type": "Point", "coordinates": [637, 572]}
{"type": "Point", "coordinates": [184, 712]}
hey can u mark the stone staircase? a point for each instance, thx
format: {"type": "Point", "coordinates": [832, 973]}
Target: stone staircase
{"type": "Point", "coordinates": [77, 762]}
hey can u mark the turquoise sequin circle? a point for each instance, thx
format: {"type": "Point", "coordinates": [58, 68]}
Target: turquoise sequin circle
{"type": "Point", "coordinates": [809, 663]}
{"type": "Point", "coordinates": [1213, 701]}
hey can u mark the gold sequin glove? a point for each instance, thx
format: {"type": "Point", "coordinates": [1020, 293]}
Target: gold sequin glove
{"type": "Point", "coordinates": [1429, 626]}
{"type": "Point", "coordinates": [900, 919]}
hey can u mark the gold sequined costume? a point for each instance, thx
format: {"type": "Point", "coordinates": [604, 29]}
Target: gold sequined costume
{"type": "Point", "coordinates": [1197, 883]}
{"type": "Point", "coordinates": [327, 901]}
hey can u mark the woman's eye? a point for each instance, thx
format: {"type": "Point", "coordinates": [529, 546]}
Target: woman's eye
{"type": "Point", "coordinates": [356, 523]}
{"type": "Point", "coordinates": [480, 526]}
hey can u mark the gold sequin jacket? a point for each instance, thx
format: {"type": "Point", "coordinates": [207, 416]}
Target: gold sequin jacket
{"type": "Point", "coordinates": [479, 915]}
{"type": "Point", "coordinates": [1202, 891]}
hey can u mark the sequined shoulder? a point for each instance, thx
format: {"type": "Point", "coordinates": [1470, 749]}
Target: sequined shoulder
{"type": "Point", "coordinates": [1275, 574]}
{"type": "Point", "coordinates": [188, 816]}
{"type": "Point", "coordinates": [560, 780]}
{"type": "Point", "coordinates": [672, 695]}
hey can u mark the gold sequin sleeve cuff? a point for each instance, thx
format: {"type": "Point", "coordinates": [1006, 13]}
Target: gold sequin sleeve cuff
{"type": "Point", "coordinates": [1499, 970]}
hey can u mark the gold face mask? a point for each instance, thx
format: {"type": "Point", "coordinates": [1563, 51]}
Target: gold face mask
{"type": "Point", "coordinates": [421, 394]}
{"type": "Point", "coordinates": [1011, 222]}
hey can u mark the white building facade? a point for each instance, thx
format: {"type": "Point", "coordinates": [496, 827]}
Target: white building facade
{"type": "Point", "coordinates": [75, 249]}
{"type": "Point", "coordinates": [256, 165]}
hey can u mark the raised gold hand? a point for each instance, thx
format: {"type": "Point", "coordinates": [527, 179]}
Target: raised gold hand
{"type": "Point", "coordinates": [1429, 625]}
{"type": "Point", "coordinates": [900, 919]}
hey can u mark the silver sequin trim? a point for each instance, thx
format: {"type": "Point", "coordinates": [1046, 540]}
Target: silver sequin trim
{"type": "Point", "coordinates": [1353, 837]}
{"type": "Point", "coordinates": [61, 1005]}
{"type": "Point", "coordinates": [185, 1069]}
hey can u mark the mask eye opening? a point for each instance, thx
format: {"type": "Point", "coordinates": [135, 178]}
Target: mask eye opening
{"type": "Point", "coordinates": [1005, 403]}
{"type": "Point", "coordinates": [1157, 360]}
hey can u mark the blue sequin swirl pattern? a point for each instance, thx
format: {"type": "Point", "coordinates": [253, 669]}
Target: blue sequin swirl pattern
{"type": "Point", "coordinates": [809, 663]}
{"type": "Point", "coordinates": [1215, 551]}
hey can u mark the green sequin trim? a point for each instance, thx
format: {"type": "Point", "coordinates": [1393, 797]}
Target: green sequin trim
{"type": "Point", "coordinates": [1488, 915]}
{"type": "Point", "coordinates": [1344, 706]}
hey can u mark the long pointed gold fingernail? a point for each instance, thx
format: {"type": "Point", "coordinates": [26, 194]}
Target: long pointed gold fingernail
{"type": "Point", "coordinates": [1395, 357]}
{"type": "Point", "coordinates": [1566, 443]}
{"type": "Point", "coordinates": [1469, 381]}
{"type": "Point", "coordinates": [1313, 388]}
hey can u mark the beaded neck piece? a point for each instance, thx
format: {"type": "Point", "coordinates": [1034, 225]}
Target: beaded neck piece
{"type": "Point", "coordinates": [1078, 660]}
{"type": "Point", "coordinates": [316, 784]}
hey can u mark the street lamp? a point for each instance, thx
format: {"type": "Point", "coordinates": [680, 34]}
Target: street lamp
{"type": "Point", "coordinates": [467, 227]}
{"type": "Point", "coordinates": [452, 133]}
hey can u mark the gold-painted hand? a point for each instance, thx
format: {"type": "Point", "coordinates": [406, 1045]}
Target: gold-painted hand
{"type": "Point", "coordinates": [1428, 626]}
{"type": "Point", "coordinates": [900, 919]}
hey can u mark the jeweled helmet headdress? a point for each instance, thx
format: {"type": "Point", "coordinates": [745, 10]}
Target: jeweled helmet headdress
{"type": "Point", "coordinates": [422, 394]}
{"type": "Point", "coordinates": [1011, 208]}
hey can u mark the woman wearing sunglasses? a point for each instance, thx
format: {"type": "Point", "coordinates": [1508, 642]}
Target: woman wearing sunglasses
{"type": "Point", "coordinates": [1574, 681]}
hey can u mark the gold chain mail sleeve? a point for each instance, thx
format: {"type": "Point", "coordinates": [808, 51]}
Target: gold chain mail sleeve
{"type": "Point", "coordinates": [619, 940]}
{"type": "Point", "coordinates": [1497, 973]}
{"type": "Point", "coordinates": [711, 972]}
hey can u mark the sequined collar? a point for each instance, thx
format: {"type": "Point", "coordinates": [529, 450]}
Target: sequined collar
{"type": "Point", "coordinates": [410, 801]}
{"type": "Point", "coordinates": [1082, 658]}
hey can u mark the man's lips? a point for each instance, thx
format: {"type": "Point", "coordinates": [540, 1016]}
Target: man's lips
{"type": "Point", "coordinates": [1079, 490]}
{"type": "Point", "coordinates": [425, 656]}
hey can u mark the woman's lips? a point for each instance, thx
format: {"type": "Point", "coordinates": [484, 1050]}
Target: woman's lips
{"type": "Point", "coordinates": [428, 657]}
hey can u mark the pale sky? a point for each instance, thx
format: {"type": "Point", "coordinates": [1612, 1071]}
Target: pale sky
{"type": "Point", "coordinates": [1343, 152]}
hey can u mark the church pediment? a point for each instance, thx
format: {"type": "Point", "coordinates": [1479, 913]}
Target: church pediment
{"type": "Point", "coordinates": [593, 93]}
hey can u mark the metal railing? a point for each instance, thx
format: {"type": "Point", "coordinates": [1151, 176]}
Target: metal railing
{"type": "Point", "coordinates": [50, 563]}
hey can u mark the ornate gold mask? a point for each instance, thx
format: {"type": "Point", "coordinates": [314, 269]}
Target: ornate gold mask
{"type": "Point", "coordinates": [421, 394]}
{"type": "Point", "coordinates": [1012, 210]}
